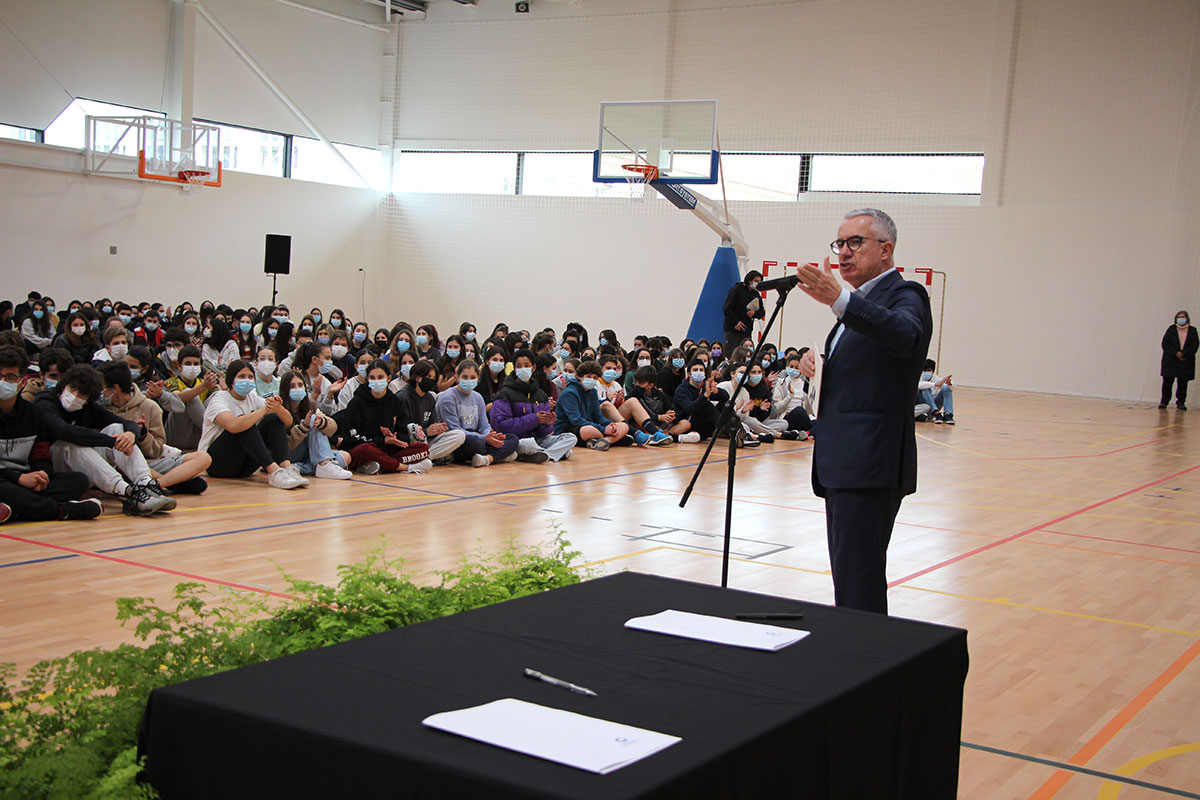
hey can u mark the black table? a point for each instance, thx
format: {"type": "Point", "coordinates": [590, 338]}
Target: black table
{"type": "Point", "coordinates": [867, 706]}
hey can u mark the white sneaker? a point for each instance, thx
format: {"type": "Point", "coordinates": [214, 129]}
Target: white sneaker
{"type": "Point", "coordinates": [510, 457]}
{"type": "Point", "coordinates": [296, 473]}
{"type": "Point", "coordinates": [420, 467]}
{"type": "Point", "coordinates": [527, 447]}
{"type": "Point", "coordinates": [691, 437]}
{"type": "Point", "coordinates": [332, 471]}
{"type": "Point", "coordinates": [284, 479]}
{"type": "Point", "coordinates": [479, 460]}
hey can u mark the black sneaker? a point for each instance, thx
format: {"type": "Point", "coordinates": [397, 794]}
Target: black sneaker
{"type": "Point", "coordinates": [195, 485]}
{"type": "Point", "coordinates": [539, 457]}
{"type": "Point", "coordinates": [745, 440]}
{"type": "Point", "coordinates": [922, 418]}
{"type": "Point", "coordinates": [157, 489]}
{"type": "Point", "coordinates": [790, 436]}
{"type": "Point", "coordinates": [766, 438]}
{"type": "Point", "coordinates": [948, 419]}
{"type": "Point", "coordinates": [937, 418]}
{"type": "Point", "coordinates": [368, 468]}
{"type": "Point", "coordinates": [81, 509]}
{"type": "Point", "coordinates": [628, 441]}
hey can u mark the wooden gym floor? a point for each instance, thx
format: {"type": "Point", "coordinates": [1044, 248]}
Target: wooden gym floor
{"type": "Point", "coordinates": [1062, 533]}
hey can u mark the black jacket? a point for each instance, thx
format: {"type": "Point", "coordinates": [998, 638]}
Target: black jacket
{"type": "Point", "coordinates": [361, 421]}
{"type": "Point", "coordinates": [736, 301]}
{"type": "Point", "coordinates": [24, 442]}
{"type": "Point", "coordinates": [1172, 367]}
{"type": "Point", "coordinates": [82, 427]}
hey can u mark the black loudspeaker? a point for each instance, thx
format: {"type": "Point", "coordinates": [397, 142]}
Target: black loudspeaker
{"type": "Point", "coordinates": [279, 254]}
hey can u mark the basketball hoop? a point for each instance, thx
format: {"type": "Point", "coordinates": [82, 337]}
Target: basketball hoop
{"type": "Point", "coordinates": [638, 176]}
{"type": "Point", "coordinates": [193, 179]}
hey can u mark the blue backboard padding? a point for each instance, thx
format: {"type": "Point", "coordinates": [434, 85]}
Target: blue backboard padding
{"type": "Point", "coordinates": [712, 172]}
{"type": "Point", "coordinates": [708, 320]}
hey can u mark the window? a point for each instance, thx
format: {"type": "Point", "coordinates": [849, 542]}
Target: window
{"type": "Point", "coordinates": [251, 150]}
{"type": "Point", "coordinates": [756, 176]}
{"type": "Point", "coordinates": [18, 133]}
{"type": "Point", "coordinates": [917, 174]}
{"type": "Point", "coordinates": [312, 161]}
{"type": "Point", "coordinates": [565, 175]}
{"type": "Point", "coordinates": [69, 128]}
{"type": "Point", "coordinates": [457, 173]}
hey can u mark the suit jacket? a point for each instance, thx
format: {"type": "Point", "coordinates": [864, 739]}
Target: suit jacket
{"type": "Point", "coordinates": [866, 436]}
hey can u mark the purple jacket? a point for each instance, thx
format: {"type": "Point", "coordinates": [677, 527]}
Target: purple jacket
{"type": "Point", "coordinates": [515, 408]}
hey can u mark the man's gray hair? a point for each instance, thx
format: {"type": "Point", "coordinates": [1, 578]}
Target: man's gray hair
{"type": "Point", "coordinates": [885, 226]}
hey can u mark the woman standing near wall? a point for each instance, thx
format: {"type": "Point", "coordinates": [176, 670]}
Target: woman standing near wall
{"type": "Point", "coordinates": [1179, 345]}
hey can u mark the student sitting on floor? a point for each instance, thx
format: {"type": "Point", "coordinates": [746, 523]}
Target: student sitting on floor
{"type": "Point", "coordinates": [789, 398]}
{"type": "Point", "coordinates": [937, 394]}
{"type": "Point", "coordinates": [463, 409]}
{"type": "Point", "coordinates": [697, 399]}
{"type": "Point", "coordinates": [377, 429]}
{"type": "Point", "coordinates": [30, 488]}
{"type": "Point", "coordinates": [310, 432]}
{"type": "Point", "coordinates": [615, 406]}
{"type": "Point", "coordinates": [52, 363]}
{"type": "Point", "coordinates": [174, 469]}
{"type": "Point", "coordinates": [89, 438]}
{"type": "Point", "coordinates": [660, 407]}
{"type": "Point", "coordinates": [420, 400]}
{"type": "Point", "coordinates": [358, 377]}
{"type": "Point", "coordinates": [77, 338]}
{"type": "Point", "coordinates": [578, 411]}
{"type": "Point", "coordinates": [753, 403]}
{"type": "Point", "coordinates": [522, 409]}
{"type": "Point", "coordinates": [244, 433]}
{"type": "Point", "coordinates": [116, 346]}
{"type": "Point", "coordinates": [188, 391]}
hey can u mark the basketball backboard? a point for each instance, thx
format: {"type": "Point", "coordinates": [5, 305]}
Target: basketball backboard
{"type": "Point", "coordinates": [154, 148]}
{"type": "Point", "coordinates": [677, 136]}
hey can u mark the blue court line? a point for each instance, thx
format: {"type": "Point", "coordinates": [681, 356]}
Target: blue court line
{"type": "Point", "coordinates": [450, 499]}
{"type": "Point", "coordinates": [1095, 773]}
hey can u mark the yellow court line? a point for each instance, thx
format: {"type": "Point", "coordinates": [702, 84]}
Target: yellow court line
{"type": "Point", "coordinates": [751, 561]}
{"type": "Point", "coordinates": [617, 558]}
{"type": "Point", "coordinates": [389, 498]}
{"type": "Point", "coordinates": [1158, 508]}
{"type": "Point", "coordinates": [1111, 789]}
{"type": "Point", "coordinates": [1004, 601]}
{"type": "Point", "coordinates": [1133, 435]}
{"type": "Point", "coordinates": [1142, 519]}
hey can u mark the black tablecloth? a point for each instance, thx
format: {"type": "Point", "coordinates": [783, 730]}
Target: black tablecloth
{"type": "Point", "coordinates": [867, 706]}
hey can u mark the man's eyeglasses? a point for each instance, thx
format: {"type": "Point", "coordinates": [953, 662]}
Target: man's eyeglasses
{"type": "Point", "coordinates": [854, 242]}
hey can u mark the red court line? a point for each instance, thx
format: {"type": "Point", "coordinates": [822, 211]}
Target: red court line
{"type": "Point", "coordinates": [1114, 725]}
{"type": "Point", "coordinates": [1120, 541]}
{"type": "Point", "coordinates": [1089, 455]}
{"type": "Point", "coordinates": [129, 563]}
{"type": "Point", "coordinates": [1037, 528]}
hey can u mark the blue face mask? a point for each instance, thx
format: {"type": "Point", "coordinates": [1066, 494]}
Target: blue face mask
{"type": "Point", "coordinates": [422, 340]}
{"type": "Point", "coordinates": [603, 341]}
{"type": "Point", "coordinates": [280, 318]}
{"type": "Point", "coordinates": [106, 309]}
{"type": "Point", "coordinates": [926, 376]}
{"type": "Point", "coordinates": [51, 383]}
{"type": "Point", "coordinates": [323, 339]}
{"type": "Point", "coordinates": [468, 384]}
{"type": "Point", "coordinates": [469, 336]}
{"type": "Point", "coordinates": [792, 372]}
{"type": "Point", "coordinates": [135, 373]}
{"type": "Point", "coordinates": [244, 327]}
{"type": "Point", "coordinates": [243, 386]}
{"type": "Point", "coordinates": [405, 369]}
{"type": "Point", "coordinates": [190, 330]}
{"type": "Point", "coordinates": [766, 362]}
{"type": "Point", "coordinates": [588, 384]}
{"type": "Point", "coordinates": [677, 363]}
{"type": "Point", "coordinates": [152, 326]}
{"type": "Point", "coordinates": [297, 394]}
{"type": "Point", "coordinates": [402, 346]}
{"type": "Point", "coordinates": [697, 378]}
{"type": "Point", "coordinates": [39, 314]}
{"type": "Point", "coordinates": [611, 375]}
{"type": "Point", "coordinates": [359, 337]}
{"type": "Point", "coordinates": [496, 367]}
{"type": "Point", "coordinates": [453, 352]}
{"type": "Point", "coordinates": [49, 309]}
{"type": "Point", "coordinates": [378, 386]}
{"type": "Point", "coordinates": [124, 318]}
{"type": "Point", "coordinates": [524, 374]}
{"type": "Point", "coordinates": [317, 318]}
{"type": "Point", "coordinates": [564, 354]}
{"type": "Point", "coordinates": [95, 324]}
{"type": "Point", "coordinates": [362, 371]}
{"type": "Point", "coordinates": [335, 322]}
{"type": "Point", "coordinates": [325, 366]}
{"type": "Point", "coordinates": [755, 379]}
{"type": "Point", "coordinates": [9, 390]}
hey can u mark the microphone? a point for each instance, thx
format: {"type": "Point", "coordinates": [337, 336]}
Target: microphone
{"type": "Point", "coordinates": [783, 284]}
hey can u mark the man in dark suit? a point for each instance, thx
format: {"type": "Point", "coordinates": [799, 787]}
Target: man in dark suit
{"type": "Point", "coordinates": [865, 457]}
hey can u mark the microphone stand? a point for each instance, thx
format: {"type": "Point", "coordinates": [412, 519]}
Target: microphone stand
{"type": "Point", "coordinates": [728, 420]}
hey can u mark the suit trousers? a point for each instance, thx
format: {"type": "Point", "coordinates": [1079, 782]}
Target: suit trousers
{"type": "Point", "coordinates": [858, 524]}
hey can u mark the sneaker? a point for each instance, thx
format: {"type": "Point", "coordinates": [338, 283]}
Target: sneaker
{"type": "Point", "coordinates": [937, 418]}
{"type": "Point", "coordinates": [745, 440]}
{"type": "Point", "coordinates": [5, 512]}
{"type": "Point", "coordinates": [368, 468]}
{"type": "Point", "coordinates": [420, 467]}
{"type": "Point", "coordinates": [527, 447]}
{"type": "Point", "coordinates": [284, 479]}
{"type": "Point", "coordinates": [922, 418]}
{"type": "Point", "coordinates": [600, 444]}
{"type": "Point", "coordinates": [538, 457]}
{"type": "Point", "coordinates": [1162, 406]}
{"type": "Point", "coordinates": [628, 441]}
{"type": "Point", "coordinates": [641, 438]}
{"type": "Point", "coordinates": [766, 438]}
{"type": "Point", "coordinates": [78, 509]}
{"type": "Point", "coordinates": [948, 419]}
{"type": "Point", "coordinates": [479, 460]}
{"type": "Point", "coordinates": [332, 471]}
{"type": "Point", "coordinates": [156, 488]}
{"type": "Point", "coordinates": [691, 437]}
{"type": "Point", "coordinates": [139, 501]}
{"type": "Point", "coordinates": [567, 455]}
{"type": "Point", "coordinates": [660, 439]}
{"type": "Point", "coordinates": [1181, 406]}
{"type": "Point", "coordinates": [195, 485]}
{"type": "Point", "coordinates": [303, 481]}
{"type": "Point", "coordinates": [509, 458]}
{"type": "Point", "coordinates": [443, 461]}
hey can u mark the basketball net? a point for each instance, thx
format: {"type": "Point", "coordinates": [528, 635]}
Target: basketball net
{"type": "Point", "coordinates": [638, 175]}
{"type": "Point", "coordinates": [193, 179]}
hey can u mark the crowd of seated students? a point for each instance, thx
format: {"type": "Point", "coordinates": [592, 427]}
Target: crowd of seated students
{"type": "Point", "coordinates": [141, 403]}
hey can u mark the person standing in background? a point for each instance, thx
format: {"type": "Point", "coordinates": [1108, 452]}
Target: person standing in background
{"type": "Point", "coordinates": [742, 306]}
{"type": "Point", "coordinates": [1179, 345]}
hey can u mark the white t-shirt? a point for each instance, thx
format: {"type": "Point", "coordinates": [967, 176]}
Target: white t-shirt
{"type": "Point", "coordinates": [219, 403]}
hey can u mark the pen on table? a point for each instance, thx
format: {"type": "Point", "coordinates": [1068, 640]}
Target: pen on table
{"type": "Point", "coordinates": [771, 615]}
{"type": "Point", "coordinates": [539, 676]}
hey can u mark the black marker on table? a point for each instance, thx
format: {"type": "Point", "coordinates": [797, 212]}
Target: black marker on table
{"type": "Point", "coordinates": [770, 615]}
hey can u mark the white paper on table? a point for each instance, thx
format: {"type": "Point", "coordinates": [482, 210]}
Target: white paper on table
{"type": "Point", "coordinates": [718, 630]}
{"type": "Point", "coordinates": [565, 737]}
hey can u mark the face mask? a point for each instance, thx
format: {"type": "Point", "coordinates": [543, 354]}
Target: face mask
{"type": "Point", "coordinates": [190, 372]}
{"type": "Point", "coordinates": [643, 362]}
{"type": "Point", "coordinates": [323, 339]}
{"type": "Point", "coordinates": [754, 286]}
{"type": "Point", "coordinates": [271, 332]}
{"type": "Point", "coordinates": [207, 333]}
{"type": "Point", "coordinates": [94, 324]}
{"type": "Point", "coordinates": [106, 309]}
{"type": "Point", "coordinates": [589, 384]}
{"type": "Point", "coordinates": [135, 373]}
{"type": "Point", "coordinates": [927, 376]}
{"type": "Point", "coordinates": [244, 386]}
{"type": "Point", "coordinates": [306, 330]}
{"type": "Point", "coordinates": [118, 351]}
{"type": "Point", "coordinates": [335, 322]}
{"type": "Point", "coordinates": [677, 363]}
{"type": "Point", "coordinates": [190, 330]}
{"type": "Point", "coordinates": [453, 352]}
{"type": "Point", "coordinates": [524, 374]}
{"type": "Point", "coordinates": [422, 340]}
{"type": "Point", "coordinates": [51, 383]}
{"type": "Point", "coordinates": [697, 377]}
{"type": "Point", "coordinates": [172, 353]}
{"type": "Point", "coordinates": [49, 309]}
{"type": "Point", "coordinates": [70, 401]}
{"type": "Point", "coordinates": [603, 341]}
{"type": "Point", "coordinates": [265, 368]}
{"type": "Point", "coordinates": [402, 346]}
{"type": "Point", "coordinates": [104, 401]}
{"type": "Point", "coordinates": [564, 354]}
{"type": "Point", "coordinates": [124, 318]}
{"type": "Point", "coordinates": [381, 343]}
{"type": "Point", "coordinates": [317, 318]}
{"type": "Point", "coordinates": [339, 351]}
{"type": "Point", "coordinates": [611, 375]}
{"type": "Point", "coordinates": [468, 384]}
{"type": "Point", "coordinates": [377, 386]}
{"type": "Point", "coordinates": [279, 318]}
{"type": "Point", "coordinates": [766, 362]}
{"type": "Point", "coordinates": [496, 367]}
{"type": "Point", "coordinates": [325, 366]}
{"type": "Point", "coordinates": [9, 390]}
{"type": "Point", "coordinates": [1181, 321]}
{"type": "Point", "coordinates": [428, 385]}
{"type": "Point", "coordinates": [716, 353]}
{"type": "Point", "coordinates": [562, 380]}
{"type": "Point", "coordinates": [39, 314]}
{"type": "Point", "coordinates": [78, 330]}
{"type": "Point", "coordinates": [792, 372]}
{"type": "Point", "coordinates": [362, 371]}
{"type": "Point", "coordinates": [297, 394]}
{"type": "Point", "coordinates": [244, 327]}
{"type": "Point", "coordinates": [359, 337]}
{"type": "Point", "coordinates": [756, 379]}
{"type": "Point", "coordinates": [405, 369]}
{"type": "Point", "coordinates": [469, 336]}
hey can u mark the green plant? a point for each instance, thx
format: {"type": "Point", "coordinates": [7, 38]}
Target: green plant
{"type": "Point", "coordinates": [68, 729]}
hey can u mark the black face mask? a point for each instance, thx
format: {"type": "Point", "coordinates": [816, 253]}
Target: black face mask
{"type": "Point", "coordinates": [428, 385]}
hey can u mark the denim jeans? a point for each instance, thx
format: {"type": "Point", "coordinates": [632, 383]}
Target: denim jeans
{"type": "Point", "coordinates": [312, 451]}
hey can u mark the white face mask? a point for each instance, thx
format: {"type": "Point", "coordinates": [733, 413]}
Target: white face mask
{"type": "Point", "coordinates": [118, 351]}
{"type": "Point", "coordinates": [643, 362]}
{"type": "Point", "coordinates": [338, 350]}
{"type": "Point", "coordinates": [78, 330]}
{"type": "Point", "coordinates": [70, 401]}
{"type": "Point", "coordinates": [266, 368]}
{"type": "Point", "coordinates": [190, 372]}
{"type": "Point", "coordinates": [172, 353]}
